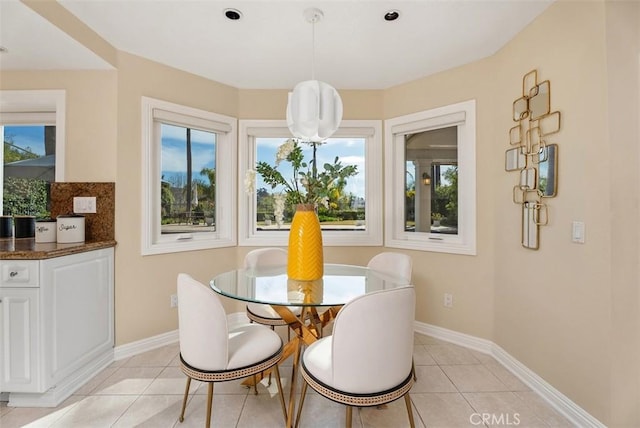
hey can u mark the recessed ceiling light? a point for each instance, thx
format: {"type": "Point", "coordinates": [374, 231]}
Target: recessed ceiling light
{"type": "Point", "coordinates": [391, 15]}
{"type": "Point", "coordinates": [233, 14]}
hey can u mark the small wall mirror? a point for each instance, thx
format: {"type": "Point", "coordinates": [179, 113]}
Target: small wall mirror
{"type": "Point", "coordinates": [514, 159]}
{"type": "Point", "coordinates": [530, 228]}
{"type": "Point", "coordinates": [548, 171]}
{"type": "Point", "coordinates": [515, 136]}
{"type": "Point", "coordinates": [528, 178]}
{"type": "Point", "coordinates": [539, 100]}
{"type": "Point", "coordinates": [549, 124]}
{"type": "Point", "coordinates": [520, 109]}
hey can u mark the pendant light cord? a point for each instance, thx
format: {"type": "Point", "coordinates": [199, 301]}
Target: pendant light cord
{"type": "Point", "coordinates": [313, 50]}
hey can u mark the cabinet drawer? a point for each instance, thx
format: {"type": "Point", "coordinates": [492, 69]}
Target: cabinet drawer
{"type": "Point", "coordinates": [19, 273]}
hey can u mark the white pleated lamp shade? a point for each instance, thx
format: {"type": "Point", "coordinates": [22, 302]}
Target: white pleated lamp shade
{"type": "Point", "coordinates": [314, 111]}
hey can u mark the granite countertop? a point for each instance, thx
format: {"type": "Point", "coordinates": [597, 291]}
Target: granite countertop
{"type": "Point", "coordinates": [28, 249]}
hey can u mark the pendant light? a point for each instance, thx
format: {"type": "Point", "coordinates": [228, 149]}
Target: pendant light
{"type": "Point", "coordinates": [314, 110]}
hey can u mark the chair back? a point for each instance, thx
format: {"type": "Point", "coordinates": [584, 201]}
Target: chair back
{"type": "Point", "coordinates": [202, 325]}
{"type": "Point", "coordinates": [372, 345]}
{"type": "Point", "coordinates": [265, 257]}
{"type": "Point", "coordinates": [392, 263]}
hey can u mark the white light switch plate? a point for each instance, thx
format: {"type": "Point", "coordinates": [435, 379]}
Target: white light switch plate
{"type": "Point", "coordinates": [84, 205]}
{"type": "Point", "coordinates": [577, 232]}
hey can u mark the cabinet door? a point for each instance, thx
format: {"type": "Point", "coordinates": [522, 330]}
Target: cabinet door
{"type": "Point", "coordinates": [19, 368]}
{"type": "Point", "coordinates": [78, 313]}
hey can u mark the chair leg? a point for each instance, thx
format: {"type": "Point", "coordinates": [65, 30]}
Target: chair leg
{"type": "Point", "coordinates": [303, 393]}
{"type": "Point", "coordinates": [407, 401]}
{"type": "Point", "coordinates": [255, 385]}
{"type": "Point", "coordinates": [273, 328]}
{"type": "Point", "coordinates": [281, 393]}
{"type": "Point", "coordinates": [413, 370]}
{"type": "Point", "coordinates": [348, 421]}
{"type": "Point", "coordinates": [184, 400]}
{"type": "Point", "coordinates": [209, 403]}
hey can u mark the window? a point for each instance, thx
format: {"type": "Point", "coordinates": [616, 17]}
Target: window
{"type": "Point", "coordinates": [430, 182]}
{"type": "Point", "coordinates": [32, 128]}
{"type": "Point", "coordinates": [353, 212]}
{"type": "Point", "coordinates": [188, 178]}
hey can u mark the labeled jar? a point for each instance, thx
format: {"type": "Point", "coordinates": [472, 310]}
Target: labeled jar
{"type": "Point", "coordinates": [69, 229]}
{"type": "Point", "coordinates": [46, 230]}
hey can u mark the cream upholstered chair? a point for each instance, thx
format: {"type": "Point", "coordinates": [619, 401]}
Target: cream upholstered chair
{"type": "Point", "coordinates": [265, 257]}
{"type": "Point", "coordinates": [396, 264]}
{"type": "Point", "coordinates": [210, 352]}
{"type": "Point", "coordinates": [367, 360]}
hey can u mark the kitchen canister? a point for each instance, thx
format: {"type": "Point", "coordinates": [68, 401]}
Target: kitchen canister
{"type": "Point", "coordinates": [46, 230]}
{"type": "Point", "coordinates": [6, 226]}
{"type": "Point", "coordinates": [69, 229]}
{"type": "Point", "coordinates": [24, 226]}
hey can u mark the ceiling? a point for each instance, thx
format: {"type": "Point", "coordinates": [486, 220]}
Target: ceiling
{"type": "Point", "coordinates": [270, 47]}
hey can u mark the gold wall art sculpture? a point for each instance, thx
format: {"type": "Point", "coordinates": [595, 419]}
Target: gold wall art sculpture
{"type": "Point", "coordinates": [533, 156]}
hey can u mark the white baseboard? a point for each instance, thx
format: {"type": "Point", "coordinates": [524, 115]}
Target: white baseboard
{"type": "Point", "coordinates": [561, 403]}
{"type": "Point", "coordinates": [144, 345]}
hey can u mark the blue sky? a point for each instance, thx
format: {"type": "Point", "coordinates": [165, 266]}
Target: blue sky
{"type": "Point", "coordinates": [31, 137]}
{"type": "Point", "coordinates": [174, 160]}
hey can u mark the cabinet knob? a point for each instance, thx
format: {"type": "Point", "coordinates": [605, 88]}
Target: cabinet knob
{"type": "Point", "coordinates": [13, 273]}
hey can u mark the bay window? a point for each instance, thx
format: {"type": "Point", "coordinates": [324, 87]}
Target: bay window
{"type": "Point", "coordinates": [431, 180]}
{"type": "Point", "coordinates": [276, 170]}
{"type": "Point", "coordinates": [188, 178]}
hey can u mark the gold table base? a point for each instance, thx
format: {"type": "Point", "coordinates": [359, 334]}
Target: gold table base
{"type": "Point", "coordinates": [307, 328]}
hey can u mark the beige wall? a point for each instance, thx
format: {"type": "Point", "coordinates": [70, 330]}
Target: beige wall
{"type": "Point", "coordinates": [469, 279]}
{"type": "Point", "coordinates": [91, 127]}
{"type": "Point", "coordinates": [144, 284]}
{"type": "Point", "coordinates": [560, 310]}
{"type": "Point", "coordinates": [569, 312]}
{"type": "Point", "coordinates": [623, 80]}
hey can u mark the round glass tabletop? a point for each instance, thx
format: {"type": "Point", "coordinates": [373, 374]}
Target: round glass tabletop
{"type": "Point", "coordinates": [339, 284]}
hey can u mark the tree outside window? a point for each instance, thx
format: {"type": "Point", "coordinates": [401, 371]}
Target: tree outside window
{"type": "Point", "coordinates": [28, 169]}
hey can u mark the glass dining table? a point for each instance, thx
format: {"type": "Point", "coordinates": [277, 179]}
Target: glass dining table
{"type": "Point", "coordinates": [320, 300]}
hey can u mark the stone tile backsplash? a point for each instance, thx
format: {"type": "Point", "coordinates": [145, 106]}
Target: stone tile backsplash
{"type": "Point", "coordinates": [99, 226]}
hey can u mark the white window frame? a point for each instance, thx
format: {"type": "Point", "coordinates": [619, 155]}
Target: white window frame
{"type": "Point", "coordinates": [462, 115]}
{"type": "Point", "coordinates": [35, 107]}
{"type": "Point", "coordinates": [153, 242]}
{"type": "Point", "coordinates": [369, 129]}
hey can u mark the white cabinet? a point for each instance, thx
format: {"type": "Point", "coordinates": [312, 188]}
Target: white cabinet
{"type": "Point", "coordinates": [19, 338]}
{"type": "Point", "coordinates": [57, 324]}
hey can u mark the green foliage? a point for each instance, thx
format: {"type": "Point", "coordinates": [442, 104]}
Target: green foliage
{"type": "Point", "coordinates": [447, 197]}
{"type": "Point", "coordinates": [13, 153]}
{"type": "Point", "coordinates": [323, 218]}
{"type": "Point", "coordinates": [308, 184]}
{"type": "Point", "coordinates": [23, 196]}
{"type": "Point", "coordinates": [208, 192]}
{"type": "Point", "coordinates": [166, 198]}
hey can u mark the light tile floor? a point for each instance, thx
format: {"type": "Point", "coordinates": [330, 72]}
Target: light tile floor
{"type": "Point", "coordinates": [456, 387]}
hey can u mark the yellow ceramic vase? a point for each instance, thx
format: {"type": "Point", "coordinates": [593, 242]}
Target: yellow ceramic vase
{"type": "Point", "coordinates": [305, 262]}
